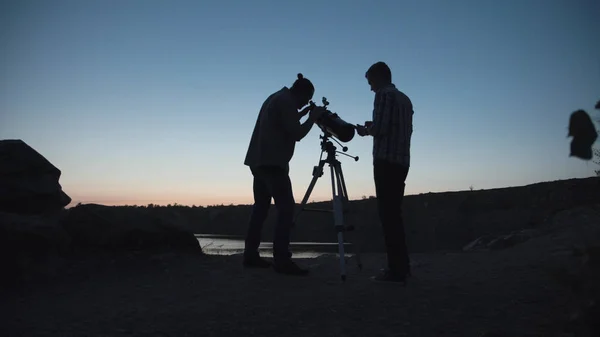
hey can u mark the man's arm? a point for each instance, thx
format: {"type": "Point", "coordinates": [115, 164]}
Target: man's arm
{"type": "Point", "coordinates": [304, 112]}
{"type": "Point", "coordinates": [291, 122]}
{"type": "Point", "coordinates": [381, 114]}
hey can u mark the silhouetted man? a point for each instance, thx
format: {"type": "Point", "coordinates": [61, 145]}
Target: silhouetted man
{"type": "Point", "coordinates": [391, 129]}
{"type": "Point", "coordinates": [275, 134]}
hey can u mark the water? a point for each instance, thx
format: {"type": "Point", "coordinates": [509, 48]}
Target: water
{"type": "Point", "coordinates": [229, 245]}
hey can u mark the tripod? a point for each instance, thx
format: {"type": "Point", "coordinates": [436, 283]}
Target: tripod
{"type": "Point", "coordinates": [340, 195]}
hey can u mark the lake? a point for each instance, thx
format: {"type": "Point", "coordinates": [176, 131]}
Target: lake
{"type": "Point", "coordinates": [229, 245]}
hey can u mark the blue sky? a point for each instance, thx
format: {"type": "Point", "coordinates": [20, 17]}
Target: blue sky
{"type": "Point", "coordinates": [155, 101]}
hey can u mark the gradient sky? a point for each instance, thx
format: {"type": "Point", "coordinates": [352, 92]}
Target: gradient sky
{"type": "Point", "coordinates": [146, 101]}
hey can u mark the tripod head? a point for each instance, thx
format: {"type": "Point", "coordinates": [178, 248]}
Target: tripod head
{"type": "Point", "coordinates": [327, 146]}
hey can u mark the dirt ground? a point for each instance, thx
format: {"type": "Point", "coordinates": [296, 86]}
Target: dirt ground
{"type": "Point", "coordinates": [451, 294]}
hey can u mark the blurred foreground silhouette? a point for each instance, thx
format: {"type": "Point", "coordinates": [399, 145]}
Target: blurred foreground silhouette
{"type": "Point", "coordinates": [584, 134]}
{"type": "Point", "coordinates": [584, 279]}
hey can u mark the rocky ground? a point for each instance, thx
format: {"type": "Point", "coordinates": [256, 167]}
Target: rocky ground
{"type": "Point", "coordinates": [508, 292]}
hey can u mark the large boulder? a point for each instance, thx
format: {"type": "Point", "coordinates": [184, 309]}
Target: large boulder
{"type": "Point", "coordinates": [30, 246]}
{"type": "Point", "coordinates": [29, 183]}
{"type": "Point", "coordinates": [33, 233]}
{"type": "Point", "coordinates": [94, 227]}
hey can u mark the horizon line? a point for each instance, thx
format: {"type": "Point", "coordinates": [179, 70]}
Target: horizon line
{"type": "Point", "coordinates": [74, 203]}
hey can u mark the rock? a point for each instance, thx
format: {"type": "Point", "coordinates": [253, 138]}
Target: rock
{"type": "Point", "coordinates": [480, 243]}
{"type": "Point", "coordinates": [490, 242]}
{"type": "Point", "coordinates": [29, 183]}
{"type": "Point", "coordinates": [97, 227]}
{"type": "Point", "coordinates": [32, 233]}
{"type": "Point", "coordinates": [507, 241]}
{"type": "Point", "coordinates": [30, 245]}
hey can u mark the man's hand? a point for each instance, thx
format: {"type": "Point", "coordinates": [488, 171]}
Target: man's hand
{"type": "Point", "coordinates": [361, 130]}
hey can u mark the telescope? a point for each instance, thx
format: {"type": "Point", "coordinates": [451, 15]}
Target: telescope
{"type": "Point", "coordinates": [332, 124]}
{"type": "Point", "coordinates": [333, 127]}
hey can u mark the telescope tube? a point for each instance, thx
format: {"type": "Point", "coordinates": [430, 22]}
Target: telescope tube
{"type": "Point", "coordinates": [337, 127]}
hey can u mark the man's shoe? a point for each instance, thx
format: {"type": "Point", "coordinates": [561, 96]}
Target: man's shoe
{"type": "Point", "coordinates": [387, 276]}
{"type": "Point", "coordinates": [256, 262]}
{"type": "Point", "coordinates": [289, 268]}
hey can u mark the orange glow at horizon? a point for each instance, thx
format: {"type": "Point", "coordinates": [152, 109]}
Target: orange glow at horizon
{"type": "Point", "coordinates": [191, 199]}
{"type": "Point", "coordinates": [185, 201]}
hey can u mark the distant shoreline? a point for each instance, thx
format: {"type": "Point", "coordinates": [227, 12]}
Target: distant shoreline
{"type": "Point", "coordinates": [433, 221]}
{"type": "Point", "coordinates": [74, 203]}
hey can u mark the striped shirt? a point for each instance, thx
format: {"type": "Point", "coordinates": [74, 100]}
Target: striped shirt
{"type": "Point", "coordinates": [392, 126]}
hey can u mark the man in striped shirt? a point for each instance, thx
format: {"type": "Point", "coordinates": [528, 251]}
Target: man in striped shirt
{"type": "Point", "coordinates": [391, 130]}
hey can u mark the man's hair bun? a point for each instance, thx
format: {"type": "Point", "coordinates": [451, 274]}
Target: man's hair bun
{"type": "Point", "coordinates": [303, 85]}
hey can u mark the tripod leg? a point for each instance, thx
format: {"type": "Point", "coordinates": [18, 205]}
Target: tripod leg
{"type": "Point", "coordinates": [343, 183]}
{"type": "Point", "coordinates": [317, 173]}
{"type": "Point", "coordinates": [338, 220]}
{"type": "Point", "coordinates": [342, 186]}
